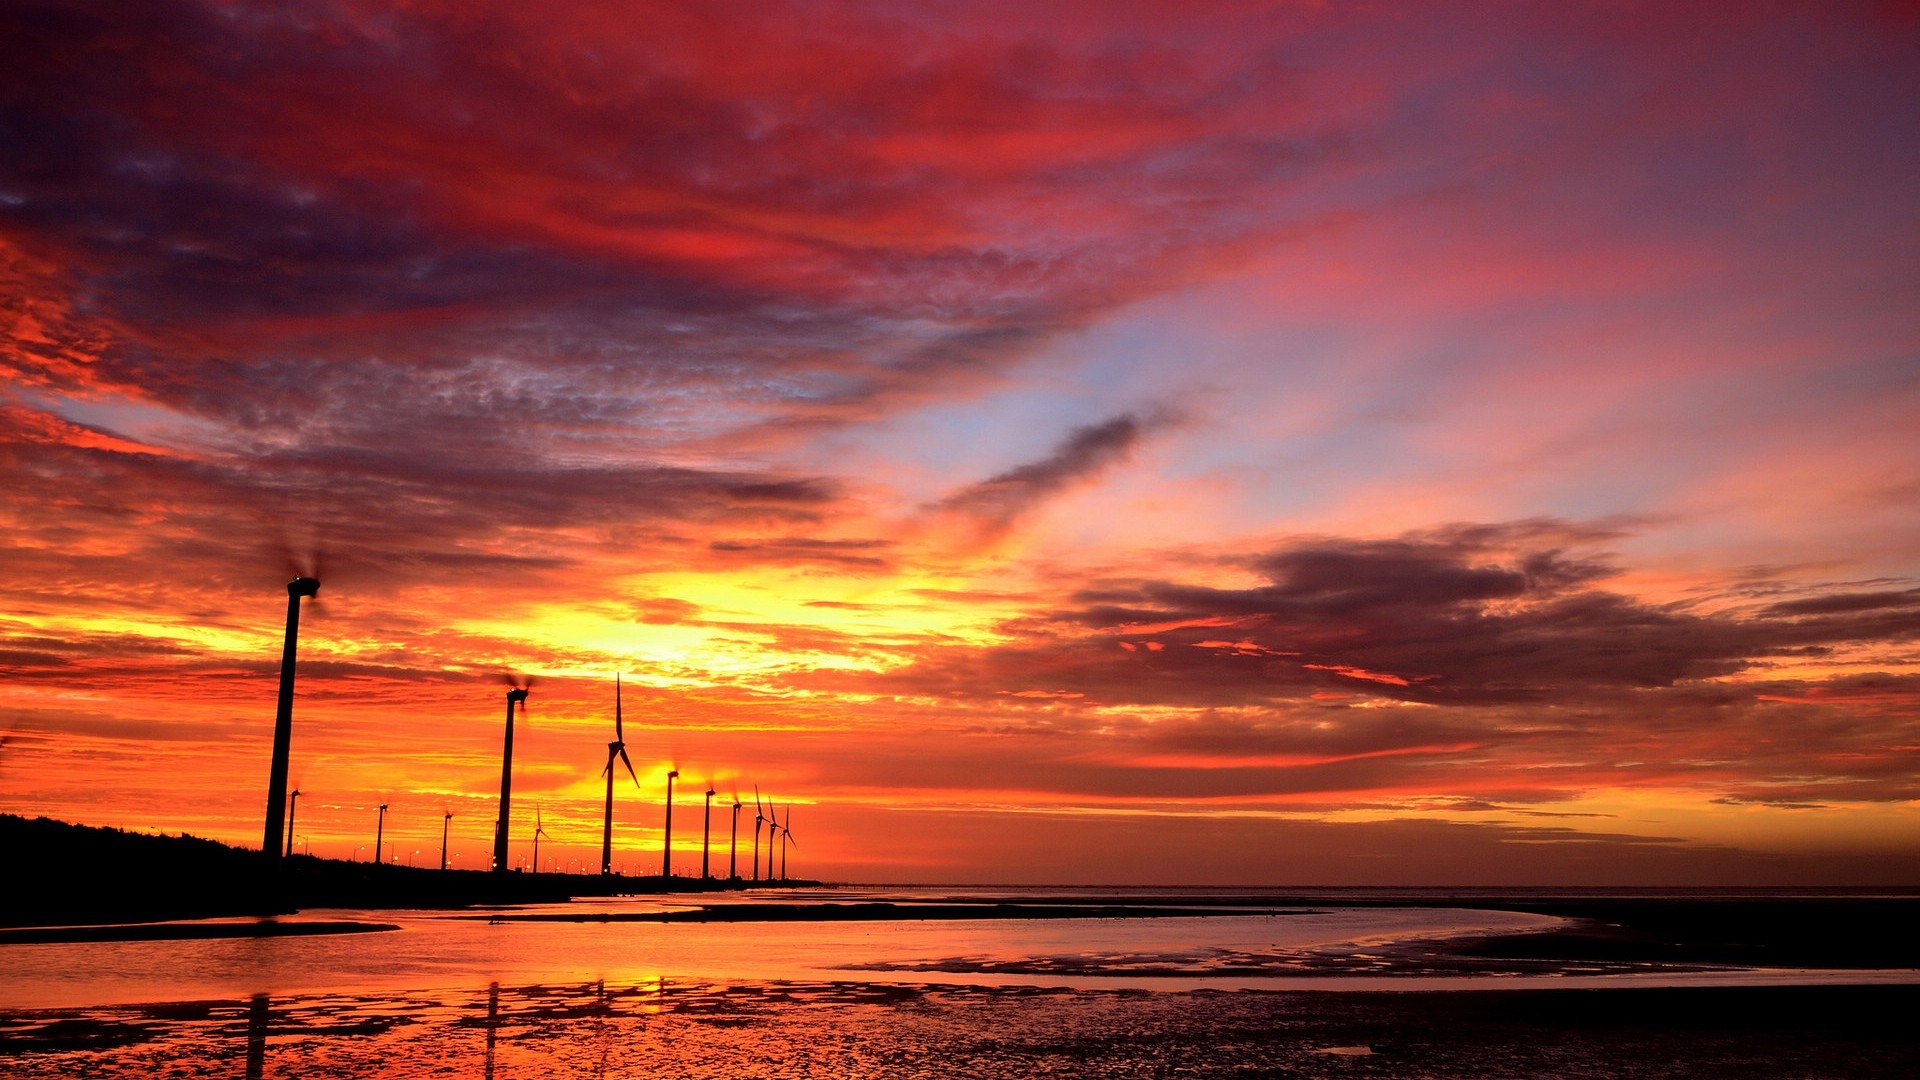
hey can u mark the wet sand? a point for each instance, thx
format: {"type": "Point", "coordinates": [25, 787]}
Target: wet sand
{"type": "Point", "coordinates": [856, 1030]}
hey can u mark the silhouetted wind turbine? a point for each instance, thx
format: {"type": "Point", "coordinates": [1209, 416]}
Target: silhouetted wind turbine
{"type": "Point", "coordinates": [538, 832]}
{"type": "Point", "coordinates": [293, 804]}
{"type": "Point", "coordinates": [772, 838]}
{"type": "Point", "coordinates": [379, 832]}
{"type": "Point", "coordinates": [733, 842]}
{"type": "Point", "coordinates": [666, 850]}
{"type": "Point", "coordinates": [615, 749]}
{"type": "Point", "coordinates": [445, 825]}
{"type": "Point", "coordinates": [786, 837]}
{"type": "Point", "coordinates": [706, 833]}
{"type": "Point", "coordinates": [759, 816]}
{"type": "Point", "coordinates": [516, 695]}
{"type": "Point", "coordinates": [283, 716]}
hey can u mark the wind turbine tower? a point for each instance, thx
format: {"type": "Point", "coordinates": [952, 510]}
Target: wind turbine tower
{"type": "Point", "coordinates": [283, 717]}
{"type": "Point", "coordinates": [666, 849]}
{"type": "Point", "coordinates": [293, 804]}
{"type": "Point", "coordinates": [515, 696]}
{"type": "Point", "coordinates": [445, 825]}
{"type": "Point", "coordinates": [379, 833]}
{"type": "Point", "coordinates": [786, 838]}
{"type": "Point", "coordinates": [733, 842]}
{"type": "Point", "coordinates": [706, 834]}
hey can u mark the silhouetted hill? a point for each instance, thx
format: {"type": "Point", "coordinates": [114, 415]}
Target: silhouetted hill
{"type": "Point", "coordinates": [66, 873]}
{"type": "Point", "coordinates": [77, 874]}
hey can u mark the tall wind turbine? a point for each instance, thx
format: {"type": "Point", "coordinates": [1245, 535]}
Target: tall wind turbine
{"type": "Point", "coordinates": [706, 834]}
{"type": "Point", "coordinates": [538, 832]}
{"type": "Point", "coordinates": [445, 824]}
{"type": "Point", "coordinates": [293, 803]}
{"type": "Point", "coordinates": [666, 849]}
{"type": "Point", "coordinates": [759, 816]}
{"type": "Point", "coordinates": [283, 716]}
{"type": "Point", "coordinates": [733, 842]}
{"type": "Point", "coordinates": [379, 833]}
{"type": "Point", "coordinates": [617, 749]}
{"type": "Point", "coordinates": [517, 695]}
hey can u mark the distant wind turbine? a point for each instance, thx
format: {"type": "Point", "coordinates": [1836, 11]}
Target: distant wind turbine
{"type": "Point", "coordinates": [293, 804]}
{"type": "Point", "coordinates": [445, 825]}
{"type": "Point", "coordinates": [772, 836]}
{"type": "Point", "coordinates": [283, 716]}
{"type": "Point", "coordinates": [706, 834]}
{"type": "Point", "coordinates": [517, 695]}
{"type": "Point", "coordinates": [379, 832]}
{"type": "Point", "coordinates": [733, 842]}
{"type": "Point", "coordinates": [538, 832]}
{"type": "Point", "coordinates": [666, 850]}
{"type": "Point", "coordinates": [786, 838]}
{"type": "Point", "coordinates": [616, 750]}
{"type": "Point", "coordinates": [759, 816]}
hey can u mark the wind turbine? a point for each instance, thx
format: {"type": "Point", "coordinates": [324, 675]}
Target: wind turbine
{"type": "Point", "coordinates": [772, 836]}
{"type": "Point", "coordinates": [706, 834]}
{"type": "Point", "coordinates": [666, 850]}
{"type": "Point", "coordinates": [759, 816]}
{"type": "Point", "coordinates": [445, 824]}
{"type": "Point", "coordinates": [733, 842]}
{"type": "Point", "coordinates": [615, 749]}
{"type": "Point", "coordinates": [516, 695]}
{"type": "Point", "coordinates": [293, 804]}
{"type": "Point", "coordinates": [538, 832]}
{"type": "Point", "coordinates": [283, 716]}
{"type": "Point", "coordinates": [786, 837]}
{"type": "Point", "coordinates": [379, 832]}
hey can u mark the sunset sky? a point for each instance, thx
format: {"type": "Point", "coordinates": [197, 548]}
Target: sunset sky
{"type": "Point", "coordinates": [1137, 443]}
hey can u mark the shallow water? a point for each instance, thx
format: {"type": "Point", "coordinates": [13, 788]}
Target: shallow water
{"type": "Point", "coordinates": [453, 994]}
{"type": "Point", "coordinates": [438, 950]}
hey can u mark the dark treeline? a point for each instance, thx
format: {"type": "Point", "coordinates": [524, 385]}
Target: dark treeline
{"type": "Point", "coordinates": [65, 874]}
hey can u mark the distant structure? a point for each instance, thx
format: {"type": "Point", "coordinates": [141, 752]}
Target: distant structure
{"type": "Point", "coordinates": [445, 824]}
{"type": "Point", "coordinates": [616, 750]}
{"type": "Point", "coordinates": [379, 835]}
{"type": "Point", "coordinates": [515, 696]}
{"type": "Point", "coordinates": [539, 831]}
{"type": "Point", "coordinates": [759, 818]}
{"type": "Point", "coordinates": [772, 836]}
{"type": "Point", "coordinates": [786, 839]}
{"type": "Point", "coordinates": [733, 842]}
{"type": "Point", "coordinates": [706, 834]}
{"type": "Point", "coordinates": [293, 804]}
{"type": "Point", "coordinates": [666, 850]}
{"type": "Point", "coordinates": [283, 717]}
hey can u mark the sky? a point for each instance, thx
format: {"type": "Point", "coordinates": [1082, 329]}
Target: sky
{"type": "Point", "coordinates": [1222, 443]}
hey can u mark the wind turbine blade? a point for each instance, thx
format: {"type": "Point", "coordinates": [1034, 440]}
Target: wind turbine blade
{"type": "Point", "coordinates": [629, 761]}
{"type": "Point", "coordinates": [618, 734]}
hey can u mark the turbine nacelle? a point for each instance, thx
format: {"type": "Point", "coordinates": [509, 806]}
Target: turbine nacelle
{"type": "Point", "coordinates": [303, 586]}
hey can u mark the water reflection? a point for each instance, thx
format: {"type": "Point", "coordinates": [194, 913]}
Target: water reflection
{"type": "Point", "coordinates": [257, 1038]}
{"type": "Point", "coordinates": [493, 1023]}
